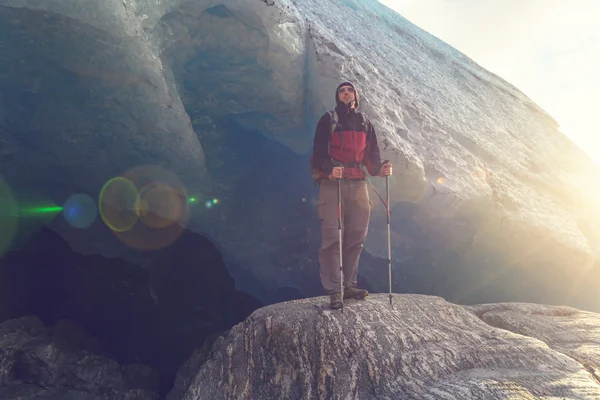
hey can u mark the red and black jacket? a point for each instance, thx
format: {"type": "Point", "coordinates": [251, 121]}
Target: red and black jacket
{"type": "Point", "coordinates": [352, 145]}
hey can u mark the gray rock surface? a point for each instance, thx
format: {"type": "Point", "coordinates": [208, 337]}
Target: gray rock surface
{"type": "Point", "coordinates": [422, 347]}
{"type": "Point", "coordinates": [41, 363]}
{"type": "Point", "coordinates": [567, 330]}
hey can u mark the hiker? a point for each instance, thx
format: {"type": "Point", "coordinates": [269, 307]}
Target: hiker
{"type": "Point", "coordinates": [341, 147]}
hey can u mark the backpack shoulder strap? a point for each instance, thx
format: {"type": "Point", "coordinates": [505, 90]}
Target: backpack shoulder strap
{"type": "Point", "coordinates": [333, 121]}
{"type": "Point", "coordinates": [364, 119]}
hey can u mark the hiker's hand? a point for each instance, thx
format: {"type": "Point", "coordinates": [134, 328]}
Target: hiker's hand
{"type": "Point", "coordinates": [337, 173]}
{"type": "Point", "coordinates": [386, 170]}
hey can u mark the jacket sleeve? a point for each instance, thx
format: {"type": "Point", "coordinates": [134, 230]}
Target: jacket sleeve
{"type": "Point", "coordinates": [321, 158]}
{"type": "Point", "coordinates": [372, 159]}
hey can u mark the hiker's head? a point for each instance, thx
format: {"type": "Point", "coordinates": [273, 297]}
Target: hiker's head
{"type": "Point", "coordinates": [346, 93]}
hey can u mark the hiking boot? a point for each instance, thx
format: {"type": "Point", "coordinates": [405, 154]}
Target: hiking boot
{"type": "Point", "coordinates": [355, 293]}
{"type": "Point", "coordinates": [335, 300]}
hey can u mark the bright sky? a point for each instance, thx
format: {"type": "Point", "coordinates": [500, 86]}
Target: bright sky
{"type": "Point", "coordinates": [549, 49]}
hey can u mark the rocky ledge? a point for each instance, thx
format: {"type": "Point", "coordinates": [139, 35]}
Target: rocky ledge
{"type": "Point", "coordinates": [420, 347]}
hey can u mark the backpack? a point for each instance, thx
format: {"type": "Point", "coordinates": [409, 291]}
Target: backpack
{"type": "Point", "coordinates": [333, 122]}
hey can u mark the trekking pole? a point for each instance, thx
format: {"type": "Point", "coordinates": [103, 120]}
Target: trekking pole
{"type": "Point", "coordinates": [387, 208]}
{"type": "Point", "coordinates": [339, 216]}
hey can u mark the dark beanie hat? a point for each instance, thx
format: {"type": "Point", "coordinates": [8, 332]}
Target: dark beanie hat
{"type": "Point", "coordinates": [337, 101]}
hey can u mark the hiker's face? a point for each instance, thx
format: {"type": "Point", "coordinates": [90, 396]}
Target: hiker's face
{"type": "Point", "coordinates": [346, 94]}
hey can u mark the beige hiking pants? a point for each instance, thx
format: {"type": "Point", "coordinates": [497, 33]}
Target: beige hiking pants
{"type": "Point", "coordinates": [356, 211]}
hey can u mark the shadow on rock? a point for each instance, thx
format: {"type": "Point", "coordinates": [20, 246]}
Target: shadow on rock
{"type": "Point", "coordinates": [157, 315]}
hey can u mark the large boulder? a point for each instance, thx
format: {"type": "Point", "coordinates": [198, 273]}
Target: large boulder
{"type": "Point", "coordinates": [419, 347]}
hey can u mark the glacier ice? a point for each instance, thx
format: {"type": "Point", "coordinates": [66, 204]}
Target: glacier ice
{"type": "Point", "coordinates": [226, 95]}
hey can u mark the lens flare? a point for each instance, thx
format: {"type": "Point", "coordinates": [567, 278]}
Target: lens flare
{"type": "Point", "coordinates": [35, 206]}
{"type": "Point", "coordinates": [8, 216]}
{"type": "Point", "coordinates": [159, 208]}
{"type": "Point", "coordinates": [117, 204]}
{"type": "Point", "coordinates": [34, 210]}
{"type": "Point", "coordinates": [163, 205]}
{"type": "Point", "coordinates": [80, 211]}
{"type": "Point", "coordinates": [146, 238]}
{"type": "Point", "coordinates": [141, 207]}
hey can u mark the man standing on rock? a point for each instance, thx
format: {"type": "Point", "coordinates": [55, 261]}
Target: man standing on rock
{"type": "Point", "coordinates": [344, 141]}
